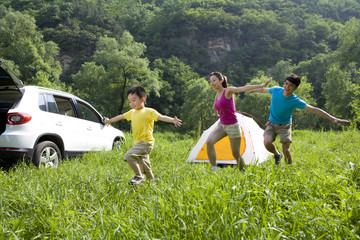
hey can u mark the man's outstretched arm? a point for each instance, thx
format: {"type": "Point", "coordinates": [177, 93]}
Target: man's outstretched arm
{"type": "Point", "coordinates": [325, 115]}
{"type": "Point", "coordinates": [259, 90]}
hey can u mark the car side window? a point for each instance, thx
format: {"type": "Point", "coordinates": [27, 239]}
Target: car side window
{"type": "Point", "coordinates": [56, 104]}
{"type": "Point", "coordinates": [64, 106]}
{"type": "Point", "coordinates": [88, 114]}
{"type": "Point", "coordinates": [42, 102]}
{"type": "Point", "coordinates": [51, 103]}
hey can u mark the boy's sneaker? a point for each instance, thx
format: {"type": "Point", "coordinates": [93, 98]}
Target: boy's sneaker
{"type": "Point", "coordinates": [137, 180]}
{"type": "Point", "coordinates": [278, 159]}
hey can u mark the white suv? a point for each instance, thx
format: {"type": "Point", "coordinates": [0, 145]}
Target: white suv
{"type": "Point", "coordinates": [47, 125]}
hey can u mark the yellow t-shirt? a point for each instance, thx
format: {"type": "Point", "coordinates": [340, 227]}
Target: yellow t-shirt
{"type": "Point", "coordinates": [142, 123]}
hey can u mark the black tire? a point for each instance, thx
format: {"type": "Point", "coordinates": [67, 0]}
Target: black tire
{"type": "Point", "coordinates": [117, 143]}
{"type": "Point", "coordinates": [46, 154]}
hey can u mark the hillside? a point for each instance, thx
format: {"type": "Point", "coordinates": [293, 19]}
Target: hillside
{"type": "Point", "coordinates": [65, 44]}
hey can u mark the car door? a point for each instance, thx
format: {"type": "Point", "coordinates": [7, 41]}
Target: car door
{"type": "Point", "coordinates": [64, 122]}
{"type": "Point", "coordinates": [96, 132]}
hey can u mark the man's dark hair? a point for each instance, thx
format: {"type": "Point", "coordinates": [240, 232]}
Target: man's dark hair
{"type": "Point", "coordinates": [295, 79]}
{"type": "Point", "coordinates": [138, 90]}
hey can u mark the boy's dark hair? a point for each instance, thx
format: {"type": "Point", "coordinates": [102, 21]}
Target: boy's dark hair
{"type": "Point", "coordinates": [221, 77]}
{"type": "Point", "coordinates": [138, 90]}
{"type": "Point", "coordinates": [295, 79]}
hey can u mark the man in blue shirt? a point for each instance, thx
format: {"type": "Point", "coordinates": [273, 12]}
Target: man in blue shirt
{"type": "Point", "coordinates": [283, 103]}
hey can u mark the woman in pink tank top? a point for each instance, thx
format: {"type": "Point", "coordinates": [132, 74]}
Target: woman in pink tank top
{"type": "Point", "coordinates": [224, 106]}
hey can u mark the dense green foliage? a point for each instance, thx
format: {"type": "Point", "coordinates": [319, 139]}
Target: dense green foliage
{"type": "Point", "coordinates": [168, 45]}
{"type": "Point", "coordinates": [317, 197]}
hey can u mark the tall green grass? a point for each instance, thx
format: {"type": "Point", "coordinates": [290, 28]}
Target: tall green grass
{"type": "Point", "coordinates": [89, 197]}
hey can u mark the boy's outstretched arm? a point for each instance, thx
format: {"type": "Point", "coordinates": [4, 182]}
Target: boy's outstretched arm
{"type": "Point", "coordinates": [325, 115]}
{"type": "Point", "coordinates": [174, 120]}
{"type": "Point", "coordinates": [114, 119]}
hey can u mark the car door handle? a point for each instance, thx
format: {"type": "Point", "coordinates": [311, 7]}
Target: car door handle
{"type": "Point", "coordinates": [59, 124]}
{"type": "Point", "coordinates": [89, 128]}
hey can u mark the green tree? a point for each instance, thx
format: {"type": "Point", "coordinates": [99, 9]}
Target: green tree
{"type": "Point", "coordinates": [132, 15]}
{"type": "Point", "coordinates": [92, 84]}
{"type": "Point", "coordinates": [24, 45]}
{"type": "Point", "coordinates": [282, 70]}
{"type": "Point", "coordinates": [349, 48]}
{"type": "Point", "coordinates": [341, 93]}
{"type": "Point", "coordinates": [303, 119]}
{"type": "Point", "coordinates": [312, 39]}
{"type": "Point", "coordinates": [355, 104]}
{"type": "Point", "coordinates": [198, 106]}
{"type": "Point", "coordinates": [116, 66]}
{"type": "Point", "coordinates": [315, 70]}
{"type": "Point", "coordinates": [263, 42]}
{"type": "Point", "coordinates": [175, 76]}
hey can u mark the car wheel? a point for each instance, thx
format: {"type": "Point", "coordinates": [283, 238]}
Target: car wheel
{"type": "Point", "coordinates": [117, 143]}
{"type": "Point", "coordinates": [47, 154]}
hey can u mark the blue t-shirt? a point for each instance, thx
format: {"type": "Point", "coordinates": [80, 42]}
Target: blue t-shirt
{"type": "Point", "coordinates": [281, 107]}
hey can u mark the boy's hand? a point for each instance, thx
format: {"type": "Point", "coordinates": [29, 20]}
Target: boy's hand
{"type": "Point", "coordinates": [107, 121]}
{"type": "Point", "coordinates": [177, 122]}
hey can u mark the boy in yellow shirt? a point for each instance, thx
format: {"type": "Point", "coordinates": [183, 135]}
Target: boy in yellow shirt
{"type": "Point", "coordinates": [142, 125]}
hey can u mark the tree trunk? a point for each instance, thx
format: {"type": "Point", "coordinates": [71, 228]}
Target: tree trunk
{"type": "Point", "coordinates": [201, 124]}
{"type": "Point", "coordinates": [122, 94]}
{"type": "Point", "coordinates": [122, 97]}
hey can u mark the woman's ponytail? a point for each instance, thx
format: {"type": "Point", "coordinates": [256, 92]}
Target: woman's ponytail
{"type": "Point", "coordinates": [224, 83]}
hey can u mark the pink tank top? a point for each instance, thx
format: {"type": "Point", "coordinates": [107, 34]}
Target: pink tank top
{"type": "Point", "coordinates": [226, 109]}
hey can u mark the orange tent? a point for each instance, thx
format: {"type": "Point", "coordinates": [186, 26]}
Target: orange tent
{"type": "Point", "coordinates": [252, 148]}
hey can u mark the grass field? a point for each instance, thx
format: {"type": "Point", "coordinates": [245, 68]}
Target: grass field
{"type": "Point", "coordinates": [89, 198]}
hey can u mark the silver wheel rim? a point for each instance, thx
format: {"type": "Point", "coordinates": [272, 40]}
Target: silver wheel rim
{"type": "Point", "coordinates": [49, 157]}
{"type": "Point", "coordinates": [117, 144]}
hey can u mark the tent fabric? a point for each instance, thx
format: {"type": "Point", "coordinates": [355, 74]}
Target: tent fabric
{"type": "Point", "coordinates": [252, 148]}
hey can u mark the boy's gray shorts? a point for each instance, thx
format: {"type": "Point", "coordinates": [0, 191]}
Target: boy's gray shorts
{"type": "Point", "coordinates": [140, 153]}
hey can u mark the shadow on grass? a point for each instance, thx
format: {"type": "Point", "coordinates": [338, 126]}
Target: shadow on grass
{"type": "Point", "coordinates": [7, 165]}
